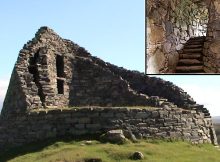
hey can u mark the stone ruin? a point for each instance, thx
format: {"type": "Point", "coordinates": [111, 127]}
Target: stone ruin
{"type": "Point", "coordinates": [171, 23]}
{"type": "Point", "coordinates": [58, 89]}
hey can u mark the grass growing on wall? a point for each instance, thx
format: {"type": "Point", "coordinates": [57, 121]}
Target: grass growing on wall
{"type": "Point", "coordinates": [91, 107]}
{"type": "Point", "coordinates": [154, 151]}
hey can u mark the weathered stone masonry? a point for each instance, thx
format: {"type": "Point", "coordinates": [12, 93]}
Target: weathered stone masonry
{"type": "Point", "coordinates": [144, 123]}
{"type": "Point", "coordinates": [170, 24]}
{"type": "Point", "coordinates": [52, 75]}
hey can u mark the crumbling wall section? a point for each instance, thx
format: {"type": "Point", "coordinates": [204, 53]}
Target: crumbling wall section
{"type": "Point", "coordinates": [95, 85]}
{"type": "Point", "coordinates": [150, 86]}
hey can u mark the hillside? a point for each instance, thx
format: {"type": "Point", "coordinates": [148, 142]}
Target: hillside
{"type": "Point", "coordinates": [216, 119]}
{"type": "Point", "coordinates": [154, 151]}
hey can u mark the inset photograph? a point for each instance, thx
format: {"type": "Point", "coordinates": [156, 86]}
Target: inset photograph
{"type": "Point", "coordinates": [182, 36]}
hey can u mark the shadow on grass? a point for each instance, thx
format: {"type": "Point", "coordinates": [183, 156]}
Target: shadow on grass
{"type": "Point", "coordinates": [39, 146]}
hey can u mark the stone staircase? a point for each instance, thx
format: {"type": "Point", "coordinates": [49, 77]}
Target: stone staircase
{"type": "Point", "coordinates": [191, 57]}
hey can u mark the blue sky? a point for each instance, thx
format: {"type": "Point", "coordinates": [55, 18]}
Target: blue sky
{"type": "Point", "coordinates": [110, 29]}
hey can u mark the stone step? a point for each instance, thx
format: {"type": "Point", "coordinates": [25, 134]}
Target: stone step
{"type": "Point", "coordinates": [189, 62]}
{"type": "Point", "coordinates": [195, 38]}
{"type": "Point", "coordinates": [207, 114]}
{"type": "Point", "coordinates": [194, 42]}
{"type": "Point", "coordinates": [190, 56]}
{"type": "Point", "coordinates": [189, 69]}
{"type": "Point", "coordinates": [193, 46]}
{"type": "Point", "coordinates": [198, 39]}
{"type": "Point", "coordinates": [192, 50]}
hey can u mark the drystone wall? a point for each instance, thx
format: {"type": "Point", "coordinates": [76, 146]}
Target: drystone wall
{"type": "Point", "coordinates": [51, 71]}
{"type": "Point", "coordinates": [170, 23]}
{"type": "Point", "coordinates": [150, 86]}
{"type": "Point", "coordinates": [169, 123]}
{"type": "Point", "coordinates": [37, 79]}
{"type": "Point", "coordinates": [212, 44]}
{"type": "Point", "coordinates": [94, 85]}
{"type": "Point", "coordinates": [54, 74]}
{"type": "Point", "coordinates": [160, 90]}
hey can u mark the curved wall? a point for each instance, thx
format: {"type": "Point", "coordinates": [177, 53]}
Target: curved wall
{"type": "Point", "coordinates": [170, 123]}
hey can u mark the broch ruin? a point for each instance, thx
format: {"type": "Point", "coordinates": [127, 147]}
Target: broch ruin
{"type": "Point", "coordinates": [58, 89]}
{"type": "Point", "coordinates": [183, 36]}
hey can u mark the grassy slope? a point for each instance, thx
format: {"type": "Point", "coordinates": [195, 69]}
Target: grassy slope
{"type": "Point", "coordinates": [156, 151]}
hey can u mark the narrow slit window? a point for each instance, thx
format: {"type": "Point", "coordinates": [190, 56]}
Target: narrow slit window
{"type": "Point", "coordinates": [60, 66]}
{"type": "Point", "coordinates": [32, 68]}
{"type": "Point", "coordinates": [60, 86]}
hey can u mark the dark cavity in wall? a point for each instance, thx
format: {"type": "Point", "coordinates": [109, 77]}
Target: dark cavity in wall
{"type": "Point", "coordinates": [33, 69]}
{"type": "Point", "coordinates": [60, 86]}
{"type": "Point", "coordinates": [60, 74]}
{"type": "Point", "coordinates": [60, 66]}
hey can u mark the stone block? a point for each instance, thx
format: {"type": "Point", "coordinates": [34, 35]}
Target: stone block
{"type": "Point", "coordinates": [79, 126]}
{"type": "Point", "coordinates": [142, 115]}
{"type": "Point", "coordinates": [155, 114]}
{"type": "Point", "coordinates": [93, 126]}
{"type": "Point", "coordinates": [91, 115]}
{"type": "Point", "coordinates": [161, 134]}
{"type": "Point", "coordinates": [107, 115]}
{"type": "Point", "coordinates": [142, 125]}
{"type": "Point", "coordinates": [84, 120]}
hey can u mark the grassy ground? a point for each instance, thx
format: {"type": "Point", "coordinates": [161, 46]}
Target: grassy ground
{"type": "Point", "coordinates": [80, 107]}
{"type": "Point", "coordinates": [76, 151]}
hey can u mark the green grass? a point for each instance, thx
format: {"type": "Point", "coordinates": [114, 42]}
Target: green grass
{"type": "Point", "coordinates": [80, 107]}
{"type": "Point", "coordinates": [76, 151]}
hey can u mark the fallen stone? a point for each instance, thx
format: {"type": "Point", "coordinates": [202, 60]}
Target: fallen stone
{"type": "Point", "coordinates": [137, 156]}
{"type": "Point", "coordinates": [129, 135]}
{"type": "Point", "coordinates": [93, 160]}
{"type": "Point", "coordinates": [114, 136]}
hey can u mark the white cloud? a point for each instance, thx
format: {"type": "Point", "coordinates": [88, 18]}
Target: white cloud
{"type": "Point", "coordinates": [206, 95]}
{"type": "Point", "coordinates": [3, 88]}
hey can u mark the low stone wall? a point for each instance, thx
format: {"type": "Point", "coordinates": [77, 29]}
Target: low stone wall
{"type": "Point", "coordinates": [146, 122]}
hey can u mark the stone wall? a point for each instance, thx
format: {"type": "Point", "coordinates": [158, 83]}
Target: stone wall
{"type": "Point", "coordinates": [150, 86]}
{"type": "Point", "coordinates": [38, 82]}
{"type": "Point", "coordinates": [212, 44]}
{"type": "Point", "coordinates": [54, 74]}
{"type": "Point", "coordinates": [85, 80]}
{"type": "Point", "coordinates": [170, 23]}
{"type": "Point", "coordinates": [165, 123]}
{"type": "Point", "coordinates": [36, 77]}
{"type": "Point", "coordinates": [95, 85]}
